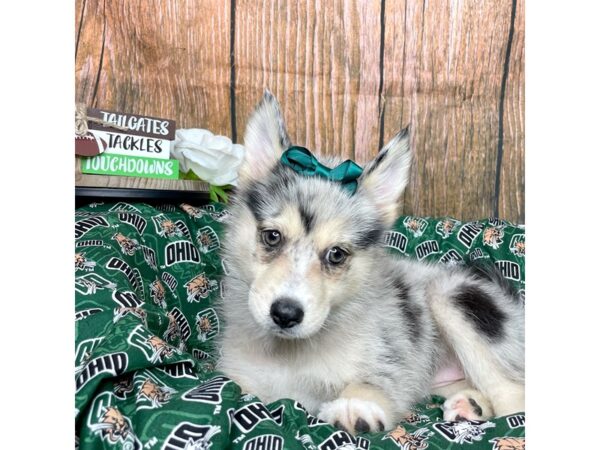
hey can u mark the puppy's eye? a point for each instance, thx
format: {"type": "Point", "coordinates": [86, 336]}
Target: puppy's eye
{"type": "Point", "coordinates": [271, 238]}
{"type": "Point", "coordinates": [336, 256]}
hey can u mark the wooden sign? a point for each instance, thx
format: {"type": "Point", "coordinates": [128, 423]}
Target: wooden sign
{"type": "Point", "coordinates": [128, 134]}
{"type": "Point", "coordinates": [131, 166]}
{"type": "Point", "coordinates": [126, 144]}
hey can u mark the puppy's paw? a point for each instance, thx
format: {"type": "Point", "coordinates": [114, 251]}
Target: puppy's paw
{"type": "Point", "coordinates": [354, 415]}
{"type": "Point", "coordinates": [467, 405]}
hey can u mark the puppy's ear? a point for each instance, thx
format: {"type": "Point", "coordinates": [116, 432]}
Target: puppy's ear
{"type": "Point", "coordinates": [385, 178]}
{"type": "Point", "coordinates": [265, 139]}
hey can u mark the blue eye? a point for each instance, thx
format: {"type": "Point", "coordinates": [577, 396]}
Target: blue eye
{"type": "Point", "coordinates": [336, 256]}
{"type": "Point", "coordinates": [271, 238]}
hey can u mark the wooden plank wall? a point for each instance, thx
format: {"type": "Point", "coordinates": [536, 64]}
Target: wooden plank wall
{"type": "Point", "coordinates": [349, 74]}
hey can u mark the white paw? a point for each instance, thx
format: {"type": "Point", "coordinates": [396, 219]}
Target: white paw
{"type": "Point", "coordinates": [354, 415]}
{"type": "Point", "coordinates": [467, 405]}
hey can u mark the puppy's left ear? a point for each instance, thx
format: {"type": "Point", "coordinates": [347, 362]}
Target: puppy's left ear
{"type": "Point", "coordinates": [385, 178]}
{"type": "Point", "coordinates": [265, 139]}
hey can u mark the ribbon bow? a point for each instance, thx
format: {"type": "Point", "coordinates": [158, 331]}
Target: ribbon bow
{"type": "Point", "coordinates": [302, 161]}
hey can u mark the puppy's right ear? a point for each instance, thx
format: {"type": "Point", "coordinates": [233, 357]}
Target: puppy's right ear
{"type": "Point", "coordinates": [265, 139]}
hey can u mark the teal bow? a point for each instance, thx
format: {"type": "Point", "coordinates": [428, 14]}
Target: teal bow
{"type": "Point", "coordinates": [302, 161]}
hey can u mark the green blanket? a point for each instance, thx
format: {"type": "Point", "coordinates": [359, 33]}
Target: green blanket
{"type": "Point", "coordinates": [146, 281]}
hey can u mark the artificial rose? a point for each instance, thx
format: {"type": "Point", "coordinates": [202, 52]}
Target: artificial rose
{"type": "Point", "coordinates": [214, 159]}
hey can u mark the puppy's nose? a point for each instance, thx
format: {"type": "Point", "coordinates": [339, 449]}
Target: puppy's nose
{"type": "Point", "coordinates": [286, 313]}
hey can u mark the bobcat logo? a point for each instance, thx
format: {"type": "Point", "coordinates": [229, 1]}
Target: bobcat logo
{"type": "Point", "coordinates": [203, 240]}
{"type": "Point", "coordinates": [517, 245]}
{"type": "Point", "coordinates": [199, 287]}
{"type": "Point", "coordinates": [157, 292]}
{"type": "Point", "coordinates": [128, 246]}
{"type": "Point", "coordinates": [207, 240]}
{"type": "Point", "coordinates": [204, 327]}
{"type": "Point", "coordinates": [160, 349]}
{"type": "Point", "coordinates": [519, 249]}
{"type": "Point", "coordinates": [492, 236]}
{"type": "Point", "coordinates": [508, 443]}
{"type": "Point", "coordinates": [192, 210]}
{"type": "Point", "coordinates": [446, 227]}
{"type": "Point", "coordinates": [409, 441]}
{"type": "Point", "coordinates": [413, 418]}
{"type": "Point", "coordinates": [107, 422]}
{"type": "Point", "coordinates": [153, 347]}
{"type": "Point", "coordinates": [415, 225]}
{"type": "Point", "coordinates": [157, 395]}
{"type": "Point", "coordinates": [113, 425]}
{"type": "Point", "coordinates": [172, 332]}
{"type": "Point", "coordinates": [82, 263]}
{"type": "Point", "coordinates": [207, 324]}
{"type": "Point", "coordinates": [134, 311]}
{"type": "Point", "coordinates": [169, 229]}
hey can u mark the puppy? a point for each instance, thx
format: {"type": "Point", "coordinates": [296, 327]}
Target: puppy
{"type": "Point", "coordinates": [316, 309]}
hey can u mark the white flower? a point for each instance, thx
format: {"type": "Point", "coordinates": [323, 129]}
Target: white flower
{"type": "Point", "coordinates": [214, 159]}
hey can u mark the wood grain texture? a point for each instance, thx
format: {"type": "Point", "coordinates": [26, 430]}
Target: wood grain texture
{"type": "Point", "coordinates": [511, 195]}
{"type": "Point", "coordinates": [348, 73]}
{"type": "Point", "coordinates": [321, 59]}
{"type": "Point", "coordinates": [165, 58]}
{"type": "Point", "coordinates": [89, 50]}
{"type": "Point", "coordinates": [443, 71]}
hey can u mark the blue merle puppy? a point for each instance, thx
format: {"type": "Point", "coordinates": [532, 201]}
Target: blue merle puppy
{"type": "Point", "coordinates": [315, 308]}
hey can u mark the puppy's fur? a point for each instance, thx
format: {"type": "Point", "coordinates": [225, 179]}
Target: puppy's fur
{"type": "Point", "coordinates": [374, 328]}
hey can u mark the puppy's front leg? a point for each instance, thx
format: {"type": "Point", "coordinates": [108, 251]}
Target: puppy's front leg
{"type": "Point", "coordinates": [360, 408]}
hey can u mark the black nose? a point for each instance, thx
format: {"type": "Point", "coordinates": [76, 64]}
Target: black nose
{"type": "Point", "coordinates": [286, 313]}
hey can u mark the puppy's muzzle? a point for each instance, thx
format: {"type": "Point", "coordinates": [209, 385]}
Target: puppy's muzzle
{"type": "Point", "coordinates": [286, 313]}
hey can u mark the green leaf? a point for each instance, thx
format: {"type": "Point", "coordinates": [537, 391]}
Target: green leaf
{"type": "Point", "coordinates": [213, 194]}
{"type": "Point", "coordinates": [218, 194]}
{"type": "Point", "coordinates": [190, 175]}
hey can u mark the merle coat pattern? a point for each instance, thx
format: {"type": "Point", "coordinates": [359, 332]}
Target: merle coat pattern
{"type": "Point", "coordinates": [315, 308]}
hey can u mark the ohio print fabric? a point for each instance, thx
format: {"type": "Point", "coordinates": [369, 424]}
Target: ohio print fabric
{"type": "Point", "coordinates": [146, 282]}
